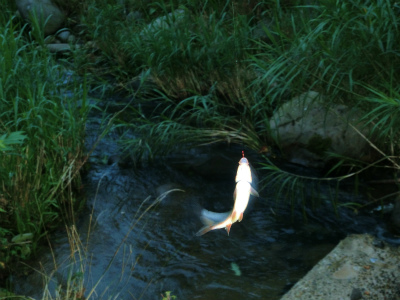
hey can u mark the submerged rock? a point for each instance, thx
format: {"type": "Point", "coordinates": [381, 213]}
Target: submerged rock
{"type": "Point", "coordinates": [355, 269]}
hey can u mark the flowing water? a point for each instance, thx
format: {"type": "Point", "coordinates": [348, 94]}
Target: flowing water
{"type": "Point", "coordinates": [137, 235]}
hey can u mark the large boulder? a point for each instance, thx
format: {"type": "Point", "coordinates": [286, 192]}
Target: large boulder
{"type": "Point", "coordinates": [306, 130]}
{"type": "Point", "coordinates": [45, 10]}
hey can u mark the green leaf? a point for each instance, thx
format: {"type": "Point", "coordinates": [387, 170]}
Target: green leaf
{"type": "Point", "coordinates": [12, 138]}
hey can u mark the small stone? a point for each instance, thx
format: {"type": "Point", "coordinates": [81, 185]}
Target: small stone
{"type": "Point", "coordinates": [378, 243]}
{"type": "Point", "coordinates": [63, 36]}
{"type": "Point", "coordinates": [58, 47]}
{"type": "Point", "coordinates": [345, 272]}
{"type": "Point", "coordinates": [356, 294]}
{"type": "Point", "coordinates": [134, 16]}
{"type": "Point", "coordinates": [71, 39]}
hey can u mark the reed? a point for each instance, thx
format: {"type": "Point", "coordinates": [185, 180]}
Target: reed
{"type": "Point", "coordinates": [41, 140]}
{"type": "Point", "coordinates": [346, 51]}
{"type": "Point", "coordinates": [212, 80]}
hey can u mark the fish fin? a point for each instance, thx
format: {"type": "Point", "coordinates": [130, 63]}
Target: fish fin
{"type": "Point", "coordinates": [233, 217]}
{"type": "Point", "coordinates": [206, 221]}
{"type": "Point", "coordinates": [228, 228]}
{"type": "Point", "coordinates": [241, 217]}
{"type": "Point", "coordinates": [254, 192]}
{"type": "Point", "coordinates": [234, 194]}
{"type": "Point", "coordinates": [203, 230]}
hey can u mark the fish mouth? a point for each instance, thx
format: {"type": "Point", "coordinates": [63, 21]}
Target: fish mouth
{"type": "Point", "coordinates": [243, 160]}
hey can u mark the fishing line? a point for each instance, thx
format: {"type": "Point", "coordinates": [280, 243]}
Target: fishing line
{"type": "Point", "coordinates": [241, 98]}
{"type": "Point", "coordinates": [238, 91]}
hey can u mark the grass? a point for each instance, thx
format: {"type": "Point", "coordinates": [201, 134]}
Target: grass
{"type": "Point", "coordinates": [42, 131]}
{"type": "Point", "coordinates": [206, 93]}
{"type": "Point", "coordinates": [207, 72]}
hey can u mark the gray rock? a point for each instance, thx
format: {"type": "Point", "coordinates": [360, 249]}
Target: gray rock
{"type": "Point", "coordinates": [164, 22]}
{"type": "Point", "coordinates": [62, 47]}
{"type": "Point", "coordinates": [355, 269]}
{"type": "Point", "coordinates": [46, 12]}
{"type": "Point", "coordinates": [306, 130]}
{"type": "Point", "coordinates": [63, 36]}
{"type": "Point", "coordinates": [134, 16]}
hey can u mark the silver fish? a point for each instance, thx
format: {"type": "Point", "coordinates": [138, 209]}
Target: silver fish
{"type": "Point", "coordinates": [242, 193]}
{"type": "Point", "coordinates": [243, 190]}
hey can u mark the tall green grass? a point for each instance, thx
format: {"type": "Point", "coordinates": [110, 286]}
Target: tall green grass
{"type": "Point", "coordinates": [41, 142]}
{"type": "Point", "coordinates": [212, 80]}
{"type": "Point", "coordinates": [347, 51]}
{"type": "Point", "coordinates": [217, 83]}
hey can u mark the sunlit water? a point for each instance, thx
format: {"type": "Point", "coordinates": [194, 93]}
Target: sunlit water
{"type": "Point", "coordinates": [131, 253]}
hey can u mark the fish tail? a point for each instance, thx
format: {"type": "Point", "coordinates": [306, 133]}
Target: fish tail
{"type": "Point", "coordinates": [203, 230]}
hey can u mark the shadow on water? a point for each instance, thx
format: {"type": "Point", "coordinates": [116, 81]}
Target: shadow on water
{"type": "Point", "coordinates": [262, 258]}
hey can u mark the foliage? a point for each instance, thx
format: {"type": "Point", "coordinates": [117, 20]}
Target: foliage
{"type": "Point", "coordinates": [212, 71]}
{"type": "Point", "coordinates": [207, 93]}
{"type": "Point", "coordinates": [168, 296]}
{"type": "Point", "coordinates": [41, 141]}
{"type": "Point", "coordinates": [7, 140]}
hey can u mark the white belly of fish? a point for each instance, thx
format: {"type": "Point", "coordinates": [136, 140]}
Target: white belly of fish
{"type": "Point", "coordinates": [242, 196]}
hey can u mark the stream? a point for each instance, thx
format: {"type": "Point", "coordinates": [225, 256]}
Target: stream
{"type": "Point", "coordinates": [136, 237]}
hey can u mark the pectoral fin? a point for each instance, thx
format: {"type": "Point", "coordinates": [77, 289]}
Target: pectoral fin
{"type": "Point", "coordinates": [233, 217]}
{"type": "Point", "coordinates": [241, 217]}
{"type": "Point", "coordinates": [254, 192]}
{"type": "Point", "coordinates": [228, 228]}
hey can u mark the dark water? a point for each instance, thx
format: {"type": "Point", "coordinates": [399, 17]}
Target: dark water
{"type": "Point", "coordinates": [133, 246]}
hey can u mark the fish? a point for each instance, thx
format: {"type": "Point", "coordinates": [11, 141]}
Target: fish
{"type": "Point", "coordinates": [244, 171]}
{"type": "Point", "coordinates": [243, 190]}
{"type": "Point", "coordinates": [214, 220]}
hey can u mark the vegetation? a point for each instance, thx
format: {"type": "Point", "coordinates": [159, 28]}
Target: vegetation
{"type": "Point", "coordinates": [42, 123]}
{"type": "Point", "coordinates": [219, 70]}
{"type": "Point", "coordinates": [201, 73]}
